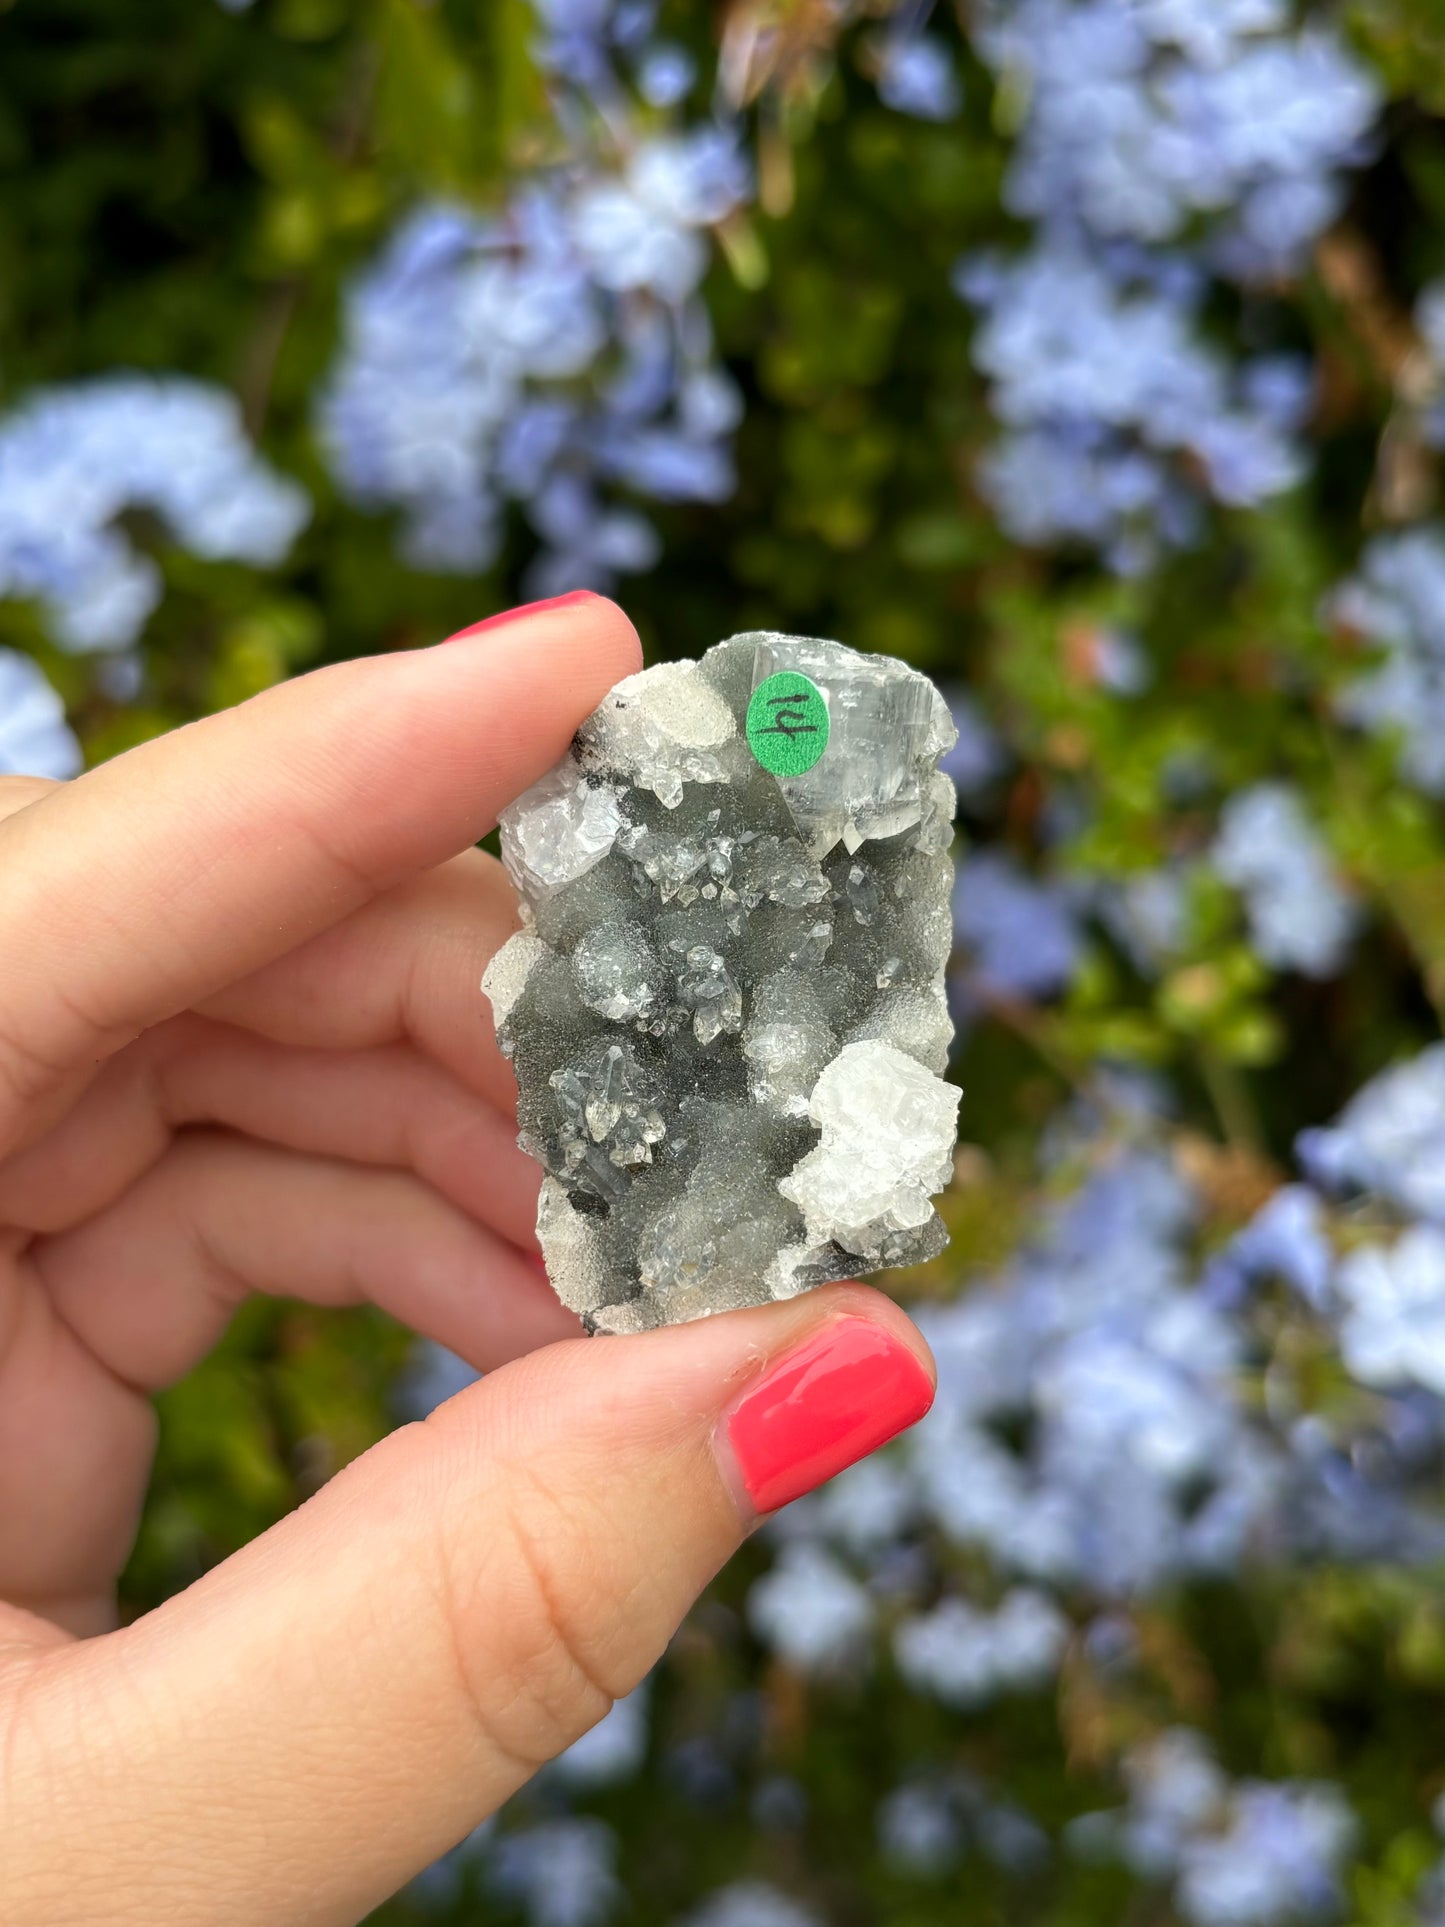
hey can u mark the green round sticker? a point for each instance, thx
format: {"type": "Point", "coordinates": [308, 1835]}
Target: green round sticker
{"type": "Point", "coordinates": [787, 723]}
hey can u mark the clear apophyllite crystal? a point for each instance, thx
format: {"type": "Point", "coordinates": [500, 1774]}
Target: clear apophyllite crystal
{"type": "Point", "coordinates": [726, 1008]}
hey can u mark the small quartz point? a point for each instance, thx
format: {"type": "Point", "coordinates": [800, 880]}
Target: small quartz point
{"type": "Point", "coordinates": [726, 1008]}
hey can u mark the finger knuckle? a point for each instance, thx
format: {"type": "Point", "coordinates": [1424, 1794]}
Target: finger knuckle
{"type": "Point", "coordinates": [531, 1631]}
{"type": "Point", "coordinates": [27, 1076]}
{"type": "Point", "coordinates": [19, 792]}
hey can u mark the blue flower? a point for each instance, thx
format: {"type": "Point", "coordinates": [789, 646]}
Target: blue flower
{"type": "Point", "coordinates": [665, 75]}
{"type": "Point", "coordinates": [810, 1611]}
{"type": "Point", "coordinates": [920, 1831]}
{"type": "Point", "coordinates": [1300, 917]}
{"type": "Point", "coordinates": [978, 756]}
{"type": "Point", "coordinates": [1277, 1859]}
{"type": "Point", "coordinates": [1251, 1853]}
{"type": "Point", "coordinates": [1392, 1330]}
{"type": "Point", "coordinates": [73, 459]}
{"type": "Point", "coordinates": [1286, 1239]}
{"type": "Point", "coordinates": [539, 356]}
{"type": "Point", "coordinates": [580, 38]}
{"type": "Point", "coordinates": [562, 1872]}
{"type": "Point", "coordinates": [35, 739]}
{"type": "Point", "coordinates": [965, 1656]}
{"type": "Point", "coordinates": [1118, 663]}
{"type": "Point", "coordinates": [1176, 1791]}
{"type": "Point", "coordinates": [1142, 117]}
{"type": "Point", "coordinates": [1148, 914]}
{"type": "Point", "coordinates": [1104, 385]}
{"type": "Point", "coordinates": [1209, 31]}
{"type": "Point", "coordinates": [1397, 601]}
{"type": "Point", "coordinates": [1430, 320]}
{"type": "Point", "coordinates": [867, 1507]}
{"type": "Point", "coordinates": [1390, 1138]}
{"type": "Point", "coordinates": [588, 545]}
{"type": "Point", "coordinates": [750, 1903]}
{"type": "Point", "coordinates": [1139, 1461]}
{"type": "Point", "coordinates": [1146, 120]}
{"type": "Point", "coordinates": [915, 75]}
{"type": "Point", "coordinates": [1021, 938]}
{"type": "Point", "coordinates": [1121, 1397]}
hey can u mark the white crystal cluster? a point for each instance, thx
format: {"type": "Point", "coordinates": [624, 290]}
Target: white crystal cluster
{"type": "Point", "coordinates": [726, 1008]}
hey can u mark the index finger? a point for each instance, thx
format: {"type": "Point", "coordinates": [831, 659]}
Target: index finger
{"type": "Point", "coordinates": [155, 880]}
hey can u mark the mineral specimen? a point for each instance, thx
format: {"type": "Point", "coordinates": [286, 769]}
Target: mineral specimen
{"type": "Point", "coordinates": [726, 1009]}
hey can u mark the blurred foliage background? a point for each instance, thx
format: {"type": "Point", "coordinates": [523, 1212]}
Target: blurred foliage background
{"type": "Point", "coordinates": [1089, 354]}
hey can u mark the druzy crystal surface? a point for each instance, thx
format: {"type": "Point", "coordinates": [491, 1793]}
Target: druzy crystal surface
{"type": "Point", "coordinates": [725, 1008]}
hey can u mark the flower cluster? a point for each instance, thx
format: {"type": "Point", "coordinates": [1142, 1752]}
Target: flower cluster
{"type": "Point", "coordinates": [1161, 144]}
{"type": "Point", "coordinates": [74, 459]}
{"type": "Point", "coordinates": [1144, 119]}
{"type": "Point", "coordinates": [811, 1610]}
{"type": "Point", "coordinates": [1094, 1439]}
{"type": "Point", "coordinates": [926, 1825]}
{"type": "Point", "coordinates": [1299, 916]}
{"type": "Point", "coordinates": [546, 355]}
{"type": "Point", "coordinates": [559, 1872]}
{"type": "Point", "coordinates": [1395, 607]}
{"type": "Point", "coordinates": [1017, 937]}
{"type": "Point", "coordinates": [965, 1657]}
{"type": "Point", "coordinates": [1089, 1430]}
{"type": "Point", "coordinates": [1245, 1853]}
{"type": "Point", "coordinates": [1388, 1141]}
{"type": "Point", "coordinates": [1094, 1436]}
{"type": "Point", "coordinates": [1111, 400]}
{"type": "Point", "coordinates": [913, 68]}
{"type": "Point", "coordinates": [35, 739]}
{"type": "Point", "coordinates": [581, 42]}
{"type": "Point", "coordinates": [750, 1903]}
{"type": "Point", "coordinates": [558, 354]}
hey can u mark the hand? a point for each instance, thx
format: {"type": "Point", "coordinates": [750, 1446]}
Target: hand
{"type": "Point", "coordinates": [243, 1049]}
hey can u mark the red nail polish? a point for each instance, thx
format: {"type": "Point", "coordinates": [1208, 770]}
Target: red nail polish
{"type": "Point", "coordinates": [850, 1389]}
{"type": "Point", "coordinates": [504, 616]}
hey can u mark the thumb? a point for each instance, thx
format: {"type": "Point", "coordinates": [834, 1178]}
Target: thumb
{"type": "Point", "coordinates": [319, 1718]}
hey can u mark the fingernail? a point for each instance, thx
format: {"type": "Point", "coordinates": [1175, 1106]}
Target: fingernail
{"type": "Point", "coordinates": [505, 616]}
{"type": "Point", "coordinates": [850, 1389]}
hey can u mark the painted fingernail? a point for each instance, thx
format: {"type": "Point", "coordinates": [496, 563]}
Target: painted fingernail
{"type": "Point", "coordinates": [849, 1389]}
{"type": "Point", "coordinates": [506, 616]}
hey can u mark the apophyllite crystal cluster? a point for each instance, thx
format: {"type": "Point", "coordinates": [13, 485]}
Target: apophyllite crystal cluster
{"type": "Point", "coordinates": [726, 1009]}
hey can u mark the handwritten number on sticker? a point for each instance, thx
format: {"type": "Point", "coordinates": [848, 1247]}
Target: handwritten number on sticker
{"type": "Point", "coordinates": [788, 723]}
